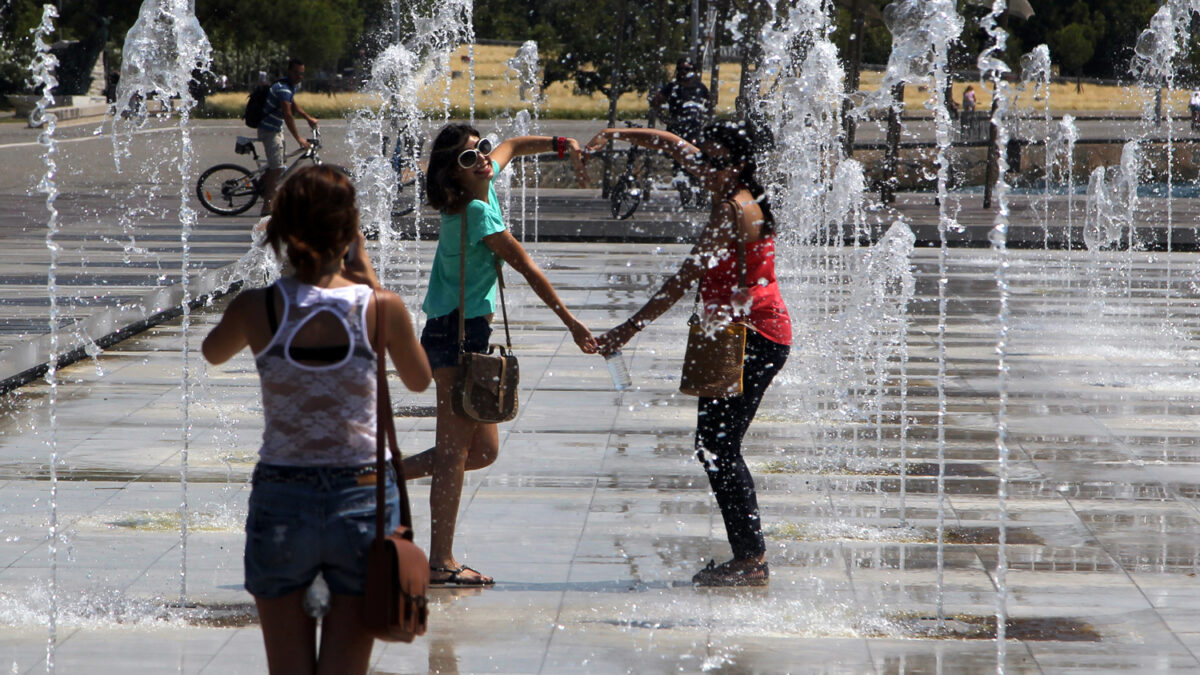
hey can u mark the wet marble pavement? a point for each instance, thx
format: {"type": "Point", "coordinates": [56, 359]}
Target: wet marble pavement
{"type": "Point", "coordinates": [596, 514]}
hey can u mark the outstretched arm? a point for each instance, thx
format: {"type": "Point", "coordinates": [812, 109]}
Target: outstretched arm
{"type": "Point", "coordinates": [653, 139]}
{"type": "Point", "coordinates": [717, 235]}
{"type": "Point", "coordinates": [523, 146]}
{"type": "Point", "coordinates": [507, 247]}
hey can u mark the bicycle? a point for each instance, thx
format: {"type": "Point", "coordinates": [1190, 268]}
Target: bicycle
{"type": "Point", "coordinates": [626, 193]}
{"type": "Point", "coordinates": [230, 189]}
{"type": "Point", "coordinates": [630, 187]}
{"type": "Point", "coordinates": [408, 172]}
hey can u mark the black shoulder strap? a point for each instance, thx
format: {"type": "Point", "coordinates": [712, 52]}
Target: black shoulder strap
{"type": "Point", "coordinates": [271, 320]}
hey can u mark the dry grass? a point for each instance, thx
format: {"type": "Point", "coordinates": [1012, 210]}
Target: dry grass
{"type": "Point", "coordinates": [497, 92]}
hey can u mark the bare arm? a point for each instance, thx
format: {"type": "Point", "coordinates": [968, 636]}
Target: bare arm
{"type": "Point", "coordinates": [510, 250]}
{"type": "Point", "coordinates": [231, 335]}
{"type": "Point", "coordinates": [653, 139]}
{"type": "Point", "coordinates": [717, 235]}
{"type": "Point", "coordinates": [523, 146]}
{"type": "Point", "coordinates": [402, 344]}
{"type": "Point", "coordinates": [290, 122]}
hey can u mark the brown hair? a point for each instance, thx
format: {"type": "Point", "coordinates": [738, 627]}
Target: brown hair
{"type": "Point", "coordinates": [314, 215]}
{"type": "Point", "coordinates": [444, 191]}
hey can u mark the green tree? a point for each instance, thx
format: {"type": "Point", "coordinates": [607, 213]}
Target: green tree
{"type": "Point", "coordinates": [1074, 47]}
{"type": "Point", "coordinates": [581, 45]}
{"type": "Point", "coordinates": [321, 32]}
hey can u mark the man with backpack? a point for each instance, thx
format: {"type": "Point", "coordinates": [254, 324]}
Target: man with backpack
{"type": "Point", "coordinates": [278, 108]}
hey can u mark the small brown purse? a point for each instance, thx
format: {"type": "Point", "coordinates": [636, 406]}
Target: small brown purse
{"type": "Point", "coordinates": [712, 363]}
{"type": "Point", "coordinates": [394, 603]}
{"type": "Point", "coordinates": [485, 387]}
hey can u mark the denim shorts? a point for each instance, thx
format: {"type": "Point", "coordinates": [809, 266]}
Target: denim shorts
{"type": "Point", "coordinates": [304, 520]}
{"type": "Point", "coordinates": [440, 338]}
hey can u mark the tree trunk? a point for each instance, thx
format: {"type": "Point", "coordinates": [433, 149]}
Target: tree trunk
{"type": "Point", "coordinates": [614, 94]}
{"type": "Point", "coordinates": [715, 77]}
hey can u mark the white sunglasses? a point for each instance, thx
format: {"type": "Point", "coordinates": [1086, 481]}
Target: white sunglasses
{"type": "Point", "coordinates": [468, 158]}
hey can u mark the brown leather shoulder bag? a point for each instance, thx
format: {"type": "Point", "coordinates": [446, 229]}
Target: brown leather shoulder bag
{"type": "Point", "coordinates": [394, 606]}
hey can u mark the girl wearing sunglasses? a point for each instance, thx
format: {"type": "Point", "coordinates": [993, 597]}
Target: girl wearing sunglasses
{"type": "Point", "coordinates": [460, 176]}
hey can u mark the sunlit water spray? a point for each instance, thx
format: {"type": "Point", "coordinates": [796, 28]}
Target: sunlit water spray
{"type": "Point", "coordinates": [387, 136]}
{"type": "Point", "coordinates": [1035, 79]}
{"type": "Point", "coordinates": [162, 50]}
{"type": "Point", "coordinates": [44, 78]}
{"type": "Point", "coordinates": [524, 67]}
{"type": "Point", "coordinates": [992, 67]}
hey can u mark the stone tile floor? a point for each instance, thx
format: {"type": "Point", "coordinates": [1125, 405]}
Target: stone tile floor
{"type": "Point", "coordinates": [596, 514]}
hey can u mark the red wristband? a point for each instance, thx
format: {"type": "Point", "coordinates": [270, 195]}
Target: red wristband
{"type": "Point", "coordinates": [560, 146]}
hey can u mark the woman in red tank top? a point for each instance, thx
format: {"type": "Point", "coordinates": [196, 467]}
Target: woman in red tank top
{"type": "Point", "coordinates": [726, 163]}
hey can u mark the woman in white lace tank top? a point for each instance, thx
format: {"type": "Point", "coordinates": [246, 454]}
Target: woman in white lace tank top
{"type": "Point", "coordinates": [312, 506]}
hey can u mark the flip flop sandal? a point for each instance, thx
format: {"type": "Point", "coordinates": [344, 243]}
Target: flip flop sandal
{"type": "Point", "coordinates": [455, 580]}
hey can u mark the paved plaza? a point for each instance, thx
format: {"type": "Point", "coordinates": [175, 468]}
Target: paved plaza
{"type": "Point", "coordinates": [596, 514]}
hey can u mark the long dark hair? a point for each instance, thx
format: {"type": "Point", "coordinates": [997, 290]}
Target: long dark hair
{"type": "Point", "coordinates": [313, 218]}
{"type": "Point", "coordinates": [442, 187]}
{"type": "Point", "coordinates": [747, 144]}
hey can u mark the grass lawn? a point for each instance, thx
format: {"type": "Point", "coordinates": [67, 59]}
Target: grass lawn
{"type": "Point", "coordinates": [497, 92]}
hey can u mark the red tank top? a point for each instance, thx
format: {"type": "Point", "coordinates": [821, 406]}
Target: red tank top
{"type": "Point", "coordinates": [768, 315]}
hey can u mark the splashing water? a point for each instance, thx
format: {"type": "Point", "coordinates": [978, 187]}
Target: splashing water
{"type": "Point", "coordinates": [1036, 72]}
{"type": "Point", "coordinates": [525, 67]}
{"type": "Point", "coordinates": [397, 76]}
{"type": "Point", "coordinates": [993, 68]}
{"type": "Point", "coordinates": [44, 69]}
{"type": "Point", "coordinates": [163, 50]}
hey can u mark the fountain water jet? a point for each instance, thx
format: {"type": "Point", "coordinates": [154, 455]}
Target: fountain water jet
{"type": "Point", "coordinates": [162, 50]}
{"type": "Point", "coordinates": [993, 68]}
{"type": "Point", "coordinates": [44, 68]}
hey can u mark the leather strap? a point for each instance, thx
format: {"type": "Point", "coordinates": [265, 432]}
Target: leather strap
{"type": "Point", "coordinates": [385, 428]}
{"type": "Point", "coordinates": [462, 292]}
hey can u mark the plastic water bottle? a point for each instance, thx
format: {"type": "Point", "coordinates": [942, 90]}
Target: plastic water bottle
{"type": "Point", "coordinates": [619, 371]}
{"type": "Point", "coordinates": [316, 599]}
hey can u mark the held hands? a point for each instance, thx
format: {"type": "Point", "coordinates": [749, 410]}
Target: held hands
{"type": "Point", "coordinates": [595, 145]}
{"type": "Point", "coordinates": [616, 338]}
{"type": "Point", "coordinates": [577, 158]}
{"type": "Point", "coordinates": [583, 337]}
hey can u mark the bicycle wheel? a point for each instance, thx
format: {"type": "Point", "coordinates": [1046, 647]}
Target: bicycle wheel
{"type": "Point", "coordinates": [227, 189]}
{"type": "Point", "coordinates": [625, 197]}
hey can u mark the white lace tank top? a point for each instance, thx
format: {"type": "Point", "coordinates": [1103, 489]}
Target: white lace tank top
{"type": "Point", "coordinates": [319, 414]}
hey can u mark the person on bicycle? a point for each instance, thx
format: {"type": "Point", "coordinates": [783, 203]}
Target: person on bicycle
{"type": "Point", "coordinates": [281, 109]}
{"type": "Point", "coordinates": [689, 105]}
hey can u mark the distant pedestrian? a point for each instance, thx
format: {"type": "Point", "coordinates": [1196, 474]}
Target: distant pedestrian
{"type": "Point", "coordinates": [968, 104]}
{"type": "Point", "coordinates": [1194, 107]}
{"type": "Point", "coordinates": [312, 504]}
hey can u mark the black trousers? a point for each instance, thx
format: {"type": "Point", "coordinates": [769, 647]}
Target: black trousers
{"type": "Point", "coordinates": [721, 424]}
